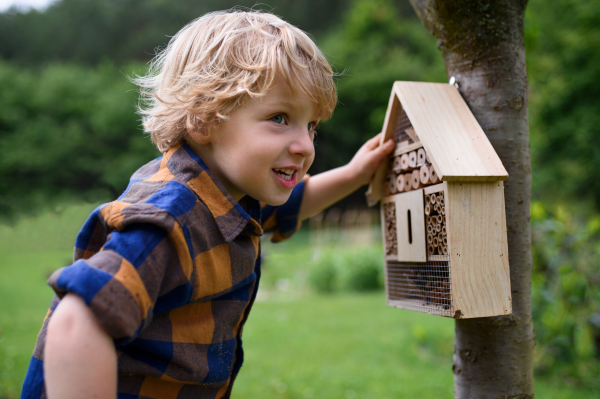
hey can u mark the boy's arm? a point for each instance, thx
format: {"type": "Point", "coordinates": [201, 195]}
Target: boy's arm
{"type": "Point", "coordinates": [327, 188]}
{"type": "Point", "coordinates": [79, 356]}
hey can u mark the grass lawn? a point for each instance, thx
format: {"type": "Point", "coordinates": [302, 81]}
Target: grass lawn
{"type": "Point", "coordinates": [298, 344]}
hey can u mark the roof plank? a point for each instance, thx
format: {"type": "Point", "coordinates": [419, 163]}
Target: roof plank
{"type": "Point", "coordinates": [456, 144]}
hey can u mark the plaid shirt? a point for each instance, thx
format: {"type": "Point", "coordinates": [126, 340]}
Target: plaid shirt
{"type": "Point", "coordinates": [170, 270]}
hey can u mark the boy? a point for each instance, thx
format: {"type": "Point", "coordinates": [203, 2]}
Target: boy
{"type": "Point", "coordinates": [165, 276]}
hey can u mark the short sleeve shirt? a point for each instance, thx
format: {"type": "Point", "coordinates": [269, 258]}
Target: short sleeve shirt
{"type": "Point", "coordinates": [170, 270]}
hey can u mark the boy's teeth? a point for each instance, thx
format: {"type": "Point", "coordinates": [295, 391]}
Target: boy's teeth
{"type": "Point", "coordinates": [286, 174]}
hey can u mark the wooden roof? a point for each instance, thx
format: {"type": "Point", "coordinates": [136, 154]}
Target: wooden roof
{"type": "Point", "coordinates": [457, 146]}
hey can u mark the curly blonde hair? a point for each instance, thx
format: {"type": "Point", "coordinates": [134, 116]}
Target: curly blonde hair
{"type": "Point", "coordinates": [219, 61]}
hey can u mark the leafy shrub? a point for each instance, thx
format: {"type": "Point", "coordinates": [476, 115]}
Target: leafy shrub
{"type": "Point", "coordinates": [347, 270]}
{"type": "Point", "coordinates": [566, 295]}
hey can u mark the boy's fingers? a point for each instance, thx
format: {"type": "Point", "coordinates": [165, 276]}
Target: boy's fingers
{"type": "Point", "coordinates": [372, 143]}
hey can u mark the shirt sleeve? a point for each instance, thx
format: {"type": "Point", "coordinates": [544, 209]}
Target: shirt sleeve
{"type": "Point", "coordinates": [121, 282]}
{"type": "Point", "coordinates": [282, 220]}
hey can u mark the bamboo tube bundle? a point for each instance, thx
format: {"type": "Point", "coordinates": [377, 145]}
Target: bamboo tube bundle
{"type": "Point", "coordinates": [445, 240]}
{"type": "Point", "coordinates": [424, 174]}
{"type": "Point", "coordinates": [444, 230]}
{"type": "Point", "coordinates": [404, 161]}
{"type": "Point", "coordinates": [393, 186]}
{"type": "Point", "coordinates": [436, 208]}
{"type": "Point", "coordinates": [429, 238]}
{"type": "Point", "coordinates": [444, 250]}
{"type": "Point", "coordinates": [421, 157]}
{"type": "Point", "coordinates": [412, 159]}
{"type": "Point", "coordinates": [433, 199]}
{"type": "Point", "coordinates": [400, 183]}
{"type": "Point", "coordinates": [435, 242]}
{"type": "Point", "coordinates": [427, 209]}
{"type": "Point", "coordinates": [429, 229]}
{"type": "Point", "coordinates": [415, 179]}
{"type": "Point", "coordinates": [442, 209]}
{"type": "Point", "coordinates": [396, 163]}
{"type": "Point", "coordinates": [428, 219]}
{"type": "Point", "coordinates": [430, 250]}
{"type": "Point", "coordinates": [433, 176]}
{"type": "Point", "coordinates": [438, 227]}
{"type": "Point", "coordinates": [440, 219]}
{"type": "Point", "coordinates": [440, 238]}
{"type": "Point", "coordinates": [391, 247]}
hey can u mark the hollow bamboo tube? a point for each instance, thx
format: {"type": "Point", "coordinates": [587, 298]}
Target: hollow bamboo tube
{"type": "Point", "coordinates": [435, 242]}
{"type": "Point", "coordinates": [444, 230]}
{"type": "Point", "coordinates": [444, 250]}
{"type": "Point", "coordinates": [440, 237]}
{"type": "Point", "coordinates": [439, 199]}
{"type": "Point", "coordinates": [424, 174]}
{"type": "Point", "coordinates": [396, 163]}
{"type": "Point", "coordinates": [415, 179]}
{"type": "Point", "coordinates": [412, 159]}
{"type": "Point", "coordinates": [421, 157]}
{"type": "Point", "coordinates": [429, 229]}
{"type": "Point", "coordinates": [430, 250]}
{"type": "Point", "coordinates": [433, 199]}
{"type": "Point", "coordinates": [438, 227]}
{"type": "Point", "coordinates": [442, 209]}
{"type": "Point", "coordinates": [428, 219]}
{"type": "Point", "coordinates": [429, 238]}
{"type": "Point", "coordinates": [400, 183]}
{"type": "Point", "coordinates": [427, 209]}
{"type": "Point", "coordinates": [445, 240]}
{"type": "Point", "coordinates": [407, 182]}
{"type": "Point", "coordinates": [433, 176]}
{"type": "Point", "coordinates": [404, 161]}
{"type": "Point", "coordinates": [393, 187]}
{"type": "Point", "coordinates": [436, 208]}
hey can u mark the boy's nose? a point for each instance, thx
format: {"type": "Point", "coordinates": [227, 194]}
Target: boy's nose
{"type": "Point", "coordinates": [302, 144]}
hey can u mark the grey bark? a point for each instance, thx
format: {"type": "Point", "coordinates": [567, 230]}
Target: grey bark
{"type": "Point", "coordinates": [483, 48]}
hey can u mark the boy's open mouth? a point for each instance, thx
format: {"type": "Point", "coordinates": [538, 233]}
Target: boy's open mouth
{"type": "Point", "coordinates": [285, 174]}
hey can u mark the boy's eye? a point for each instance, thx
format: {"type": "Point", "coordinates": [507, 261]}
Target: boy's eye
{"type": "Point", "coordinates": [278, 119]}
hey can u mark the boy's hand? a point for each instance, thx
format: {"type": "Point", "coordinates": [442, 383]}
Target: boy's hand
{"type": "Point", "coordinates": [367, 159]}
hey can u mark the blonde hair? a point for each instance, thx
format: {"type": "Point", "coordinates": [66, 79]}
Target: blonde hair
{"type": "Point", "coordinates": [219, 61]}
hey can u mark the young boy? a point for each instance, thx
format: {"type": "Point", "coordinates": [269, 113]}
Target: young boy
{"type": "Point", "coordinates": [165, 276]}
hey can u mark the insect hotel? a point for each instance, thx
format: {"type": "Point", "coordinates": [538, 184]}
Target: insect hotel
{"type": "Point", "coordinates": [442, 207]}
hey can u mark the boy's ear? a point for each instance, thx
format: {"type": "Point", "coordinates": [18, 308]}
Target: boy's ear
{"type": "Point", "coordinates": [197, 131]}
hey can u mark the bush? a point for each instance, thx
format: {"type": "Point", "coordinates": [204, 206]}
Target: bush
{"type": "Point", "coordinates": [566, 295]}
{"type": "Point", "coordinates": [347, 270]}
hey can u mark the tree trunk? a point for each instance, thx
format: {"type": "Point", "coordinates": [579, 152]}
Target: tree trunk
{"type": "Point", "coordinates": [483, 48]}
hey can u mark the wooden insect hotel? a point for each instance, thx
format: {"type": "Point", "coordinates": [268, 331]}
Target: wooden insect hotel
{"type": "Point", "coordinates": [442, 207]}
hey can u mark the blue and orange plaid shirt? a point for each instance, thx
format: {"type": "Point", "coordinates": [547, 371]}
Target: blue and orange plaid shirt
{"type": "Point", "coordinates": [170, 270]}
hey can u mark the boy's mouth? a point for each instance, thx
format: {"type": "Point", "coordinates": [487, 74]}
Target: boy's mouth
{"type": "Point", "coordinates": [285, 174]}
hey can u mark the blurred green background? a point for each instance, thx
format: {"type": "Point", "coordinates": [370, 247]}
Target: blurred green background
{"type": "Point", "coordinates": [70, 139]}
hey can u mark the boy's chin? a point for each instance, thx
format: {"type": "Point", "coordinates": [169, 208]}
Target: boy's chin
{"type": "Point", "coordinates": [276, 200]}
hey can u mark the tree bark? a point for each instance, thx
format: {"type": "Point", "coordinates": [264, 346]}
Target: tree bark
{"type": "Point", "coordinates": [483, 48]}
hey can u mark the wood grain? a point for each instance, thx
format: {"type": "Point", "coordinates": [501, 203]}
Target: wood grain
{"type": "Point", "coordinates": [456, 144]}
{"type": "Point", "coordinates": [477, 244]}
{"type": "Point", "coordinates": [417, 250]}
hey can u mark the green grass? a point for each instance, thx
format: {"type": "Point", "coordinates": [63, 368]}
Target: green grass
{"type": "Point", "coordinates": [298, 344]}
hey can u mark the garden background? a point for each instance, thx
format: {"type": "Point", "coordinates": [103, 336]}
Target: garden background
{"type": "Point", "coordinates": [70, 139]}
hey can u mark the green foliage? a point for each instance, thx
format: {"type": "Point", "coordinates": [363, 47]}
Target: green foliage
{"type": "Point", "coordinates": [90, 31]}
{"type": "Point", "coordinates": [343, 269]}
{"type": "Point", "coordinates": [67, 132]}
{"type": "Point", "coordinates": [566, 295]}
{"type": "Point", "coordinates": [562, 40]}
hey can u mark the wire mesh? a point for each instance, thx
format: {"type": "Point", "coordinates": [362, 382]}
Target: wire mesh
{"type": "Point", "coordinates": [423, 287]}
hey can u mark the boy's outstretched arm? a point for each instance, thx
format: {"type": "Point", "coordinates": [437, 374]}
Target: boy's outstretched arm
{"type": "Point", "coordinates": [327, 188]}
{"type": "Point", "coordinates": [79, 356]}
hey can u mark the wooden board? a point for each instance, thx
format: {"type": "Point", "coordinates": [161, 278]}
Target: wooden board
{"type": "Point", "coordinates": [476, 225]}
{"type": "Point", "coordinates": [412, 241]}
{"type": "Point", "coordinates": [456, 144]}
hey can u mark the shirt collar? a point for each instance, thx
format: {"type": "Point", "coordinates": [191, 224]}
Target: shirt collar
{"type": "Point", "coordinates": [230, 216]}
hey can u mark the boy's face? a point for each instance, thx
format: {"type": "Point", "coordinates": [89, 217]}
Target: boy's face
{"type": "Point", "coordinates": [265, 147]}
